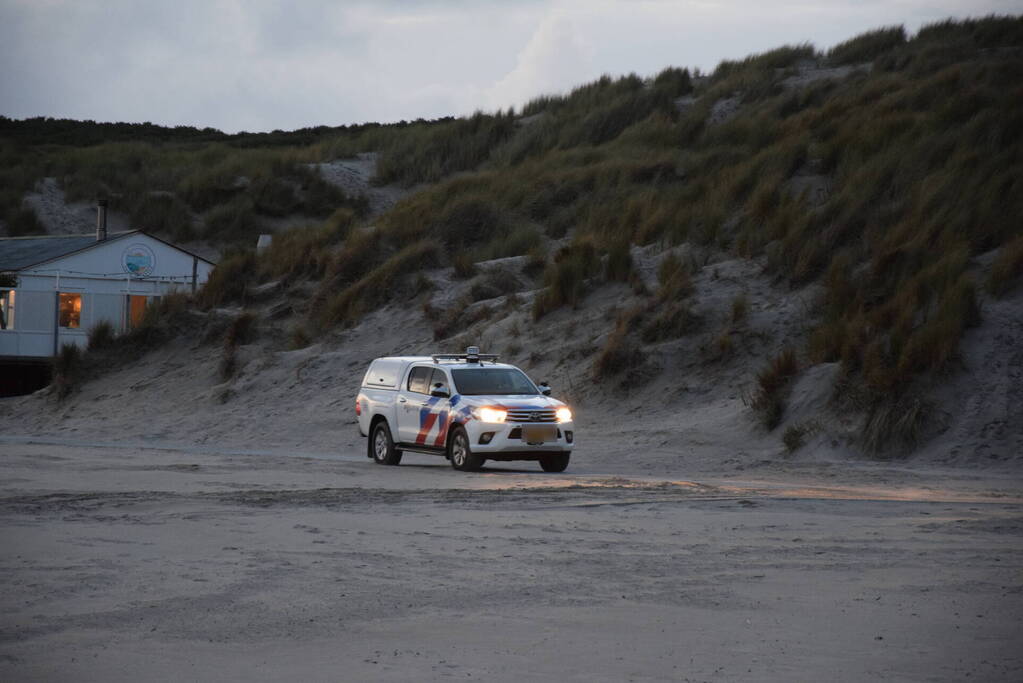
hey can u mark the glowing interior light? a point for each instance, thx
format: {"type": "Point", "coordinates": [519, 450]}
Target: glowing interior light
{"type": "Point", "coordinates": [492, 415]}
{"type": "Point", "coordinates": [564, 414]}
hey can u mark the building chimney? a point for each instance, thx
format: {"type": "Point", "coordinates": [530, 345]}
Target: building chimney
{"type": "Point", "coordinates": [101, 220]}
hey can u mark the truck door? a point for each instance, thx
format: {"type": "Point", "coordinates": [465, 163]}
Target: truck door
{"type": "Point", "coordinates": [441, 406]}
{"type": "Point", "coordinates": [412, 404]}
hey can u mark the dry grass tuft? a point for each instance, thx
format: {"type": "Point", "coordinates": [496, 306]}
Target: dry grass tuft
{"type": "Point", "coordinates": [566, 277]}
{"type": "Point", "coordinates": [463, 264]}
{"type": "Point", "coordinates": [101, 336]}
{"type": "Point", "coordinates": [238, 332]}
{"type": "Point", "coordinates": [674, 279]}
{"type": "Point", "coordinates": [673, 320]}
{"type": "Point", "coordinates": [620, 353]}
{"type": "Point", "coordinates": [67, 370]}
{"type": "Point", "coordinates": [768, 398]}
{"type": "Point", "coordinates": [794, 437]}
{"type": "Point", "coordinates": [894, 426]}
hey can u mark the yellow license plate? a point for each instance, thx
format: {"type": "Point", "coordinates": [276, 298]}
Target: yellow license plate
{"type": "Point", "coordinates": [539, 434]}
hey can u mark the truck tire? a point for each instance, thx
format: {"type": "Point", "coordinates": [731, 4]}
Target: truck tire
{"type": "Point", "coordinates": [555, 463]}
{"type": "Point", "coordinates": [460, 453]}
{"type": "Point", "coordinates": [382, 445]}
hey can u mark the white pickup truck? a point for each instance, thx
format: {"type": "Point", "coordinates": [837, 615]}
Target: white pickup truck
{"type": "Point", "coordinates": [466, 407]}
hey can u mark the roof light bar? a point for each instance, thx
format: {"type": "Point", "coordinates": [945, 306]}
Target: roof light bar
{"type": "Point", "coordinates": [471, 355]}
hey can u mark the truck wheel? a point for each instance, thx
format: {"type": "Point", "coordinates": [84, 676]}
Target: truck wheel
{"type": "Point", "coordinates": [555, 463]}
{"type": "Point", "coordinates": [462, 457]}
{"type": "Point", "coordinates": [382, 445]}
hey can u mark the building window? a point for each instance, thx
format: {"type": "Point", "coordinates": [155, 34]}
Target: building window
{"type": "Point", "coordinates": [70, 310]}
{"type": "Point", "coordinates": [7, 309]}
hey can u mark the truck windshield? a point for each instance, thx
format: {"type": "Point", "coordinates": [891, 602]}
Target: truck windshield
{"type": "Point", "coordinates": [500, 381]}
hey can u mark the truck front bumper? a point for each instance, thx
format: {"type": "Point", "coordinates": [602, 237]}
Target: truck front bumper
{"type": "Point", "coordinates": [520, 440]}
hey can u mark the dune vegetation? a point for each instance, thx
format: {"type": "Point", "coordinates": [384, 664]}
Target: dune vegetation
{"type": "Point", "coordinates": [878, 169]}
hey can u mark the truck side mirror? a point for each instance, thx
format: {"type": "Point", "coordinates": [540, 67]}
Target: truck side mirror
{"type": "Point", "coordinates": [440, 391]}
{"type": "Point", "coordinates": [545, 389]}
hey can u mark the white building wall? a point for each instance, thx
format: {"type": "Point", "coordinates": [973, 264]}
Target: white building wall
{"type": "Point", "coordinates": [100, 276]}
{"type": "Point", "coordinates": [35, 317]}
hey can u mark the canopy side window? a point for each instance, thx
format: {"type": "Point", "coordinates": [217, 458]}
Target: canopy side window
{"type": "Point", "coordinates": [419, 380]}
{"type": "Point", "coordinates": [439, 380]}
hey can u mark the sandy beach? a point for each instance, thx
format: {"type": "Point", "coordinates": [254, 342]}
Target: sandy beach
{"type": "Point", "coordinates": [197, 563]}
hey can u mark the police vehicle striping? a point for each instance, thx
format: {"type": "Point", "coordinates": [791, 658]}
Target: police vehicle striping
{"type": "Point", "coordinates": [468, 407]}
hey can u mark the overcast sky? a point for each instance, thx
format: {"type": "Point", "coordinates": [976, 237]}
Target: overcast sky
{"type": "Point", "coordinates": [264, 64]}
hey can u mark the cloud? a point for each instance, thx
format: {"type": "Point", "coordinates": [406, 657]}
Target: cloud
{"type": "Point", "coordinates": [555, 58]}
{"type": "Point", "coordinates": [265, 64]}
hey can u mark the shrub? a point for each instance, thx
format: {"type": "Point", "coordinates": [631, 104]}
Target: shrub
{"type": "Point", "coordinates": [894, 425]}
{"type": "Point", "coordinates": [565, 278]}
{"type": "Point", "coordinates": [163, 214]}
{"type": "Point", "coordinates": [67, 369]}
{"type": "Point", "coordinates": [935, 343]}
{"type": "Point", "coordinates": [674, 320]}
{"type": "Point", "coordinates": [23, 221]}
{"type": "Point", "coordinates": [237, 333]}
{"type": "Point", "coordinates": [617, 356]}
{"type": "Point", "coordinates": [674, 279]}
{"type": "Point", "coordinates": [518, 242]}
{"type": "Point", "coordinates": [359, 254]}
{"type": "Point", "coordinates": [794, 437]}
{"type": "Point", "coordinates": [674, 81]}
{"type": "Point", "coordinates": [273, 196]}
{"type": "Point", "coordinates": [619, 263]}
{"type": "Point", "coordinates": [767, 400]}
{"type": "Point", "coordinates": [101, 336]}
{"type": "Point", "coordinates": [304, 252]}
{"type": "Point", "coordinates": [232, 222]}
{"type": "Point", "coordinates": [467, 223]}
{"type": "Point", "coordinates": [867, 46]}
{"type": "Point", "coordinates": [240, 330]}
{"type": "Point", "coordinates": [299, 338]}
{"type": "Point", "coordinates": [161, 321]}
{"type": "Point", "coordinates": [230, 279]}
{"type": "Point", "coordinates": [463, 264]}
{"type": "Point", "coordinates": [379, 285]}
{"type": "Point", "coordinates": [494, 283]}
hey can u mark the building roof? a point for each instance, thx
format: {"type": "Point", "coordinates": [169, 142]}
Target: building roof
{"type": "Point", "coordinates": [18, 253]}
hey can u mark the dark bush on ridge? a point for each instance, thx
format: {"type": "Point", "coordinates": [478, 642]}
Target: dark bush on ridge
{"type": "Point", "coordinates": [867, 46]}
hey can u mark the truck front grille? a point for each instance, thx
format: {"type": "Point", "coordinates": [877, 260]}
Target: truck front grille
{"type": "Point", "coordinates": [539, 415]}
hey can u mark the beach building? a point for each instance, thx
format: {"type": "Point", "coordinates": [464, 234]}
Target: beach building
{"type": "Point", "coordinates": [54, 289]}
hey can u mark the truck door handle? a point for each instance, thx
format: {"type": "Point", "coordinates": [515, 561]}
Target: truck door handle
{"type": "Point", "coordinates": [402, 399]}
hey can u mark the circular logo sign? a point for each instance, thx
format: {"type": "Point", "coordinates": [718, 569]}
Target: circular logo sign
{"type": "Point", "coordinates": [138, 260]}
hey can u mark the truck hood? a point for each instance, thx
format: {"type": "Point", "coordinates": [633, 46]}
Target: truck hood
{"type": "Point", "coordinates": [506, 402]}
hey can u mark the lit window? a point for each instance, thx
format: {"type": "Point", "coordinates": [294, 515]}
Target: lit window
{"type": "Point", "coordinates": [70, 310]}
{"type": "Point", "coordinates": [7, 309]}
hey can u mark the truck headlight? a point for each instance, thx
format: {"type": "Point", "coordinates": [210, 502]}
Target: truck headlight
{"type": "Point", "coordinates": [491, 415]}
{"type": "Point", "coordinates": [564, 415]}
